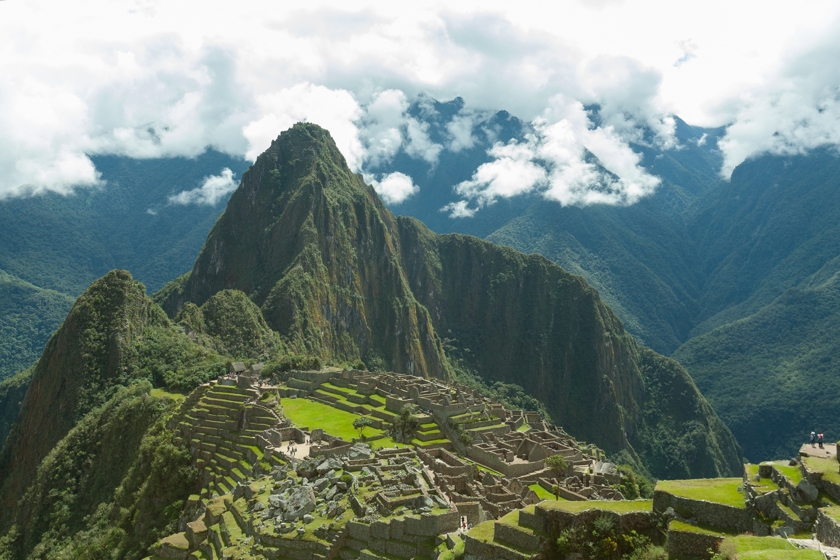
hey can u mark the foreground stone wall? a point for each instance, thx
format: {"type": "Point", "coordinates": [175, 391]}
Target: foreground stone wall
{"type": "Point", "coordinates": [684, 545]}
{"type": "Point", "coordinates": [720, 516]}
{"type": "Point", "coordinates": [828, 530]}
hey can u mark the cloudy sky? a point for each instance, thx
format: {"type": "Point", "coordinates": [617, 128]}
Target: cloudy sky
{"type": "Point", "coordinates": [148, 78]}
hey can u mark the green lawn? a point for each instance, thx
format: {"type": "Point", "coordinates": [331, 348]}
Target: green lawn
{"type": "Point", "coordinates": [541, 492]}
{"type": "Point", "coordinates": [622, 506]}
{"type": "Point", "coordinates": [718, 490]}
{"type": "Point", "coordinates": [794, 474]}
{"type": "Point", "coordinates": [161, 392]}
{"type": "Point", "coordinates": [523, 428]}
{"type": "Point", "coordinates": [305, 413]}
{"type": "Point", "coordinates": [828, 467]}
{"type": "Point", "coordinates": [766, 548]}
{"type": "Point", "coordinates": [676, 525]}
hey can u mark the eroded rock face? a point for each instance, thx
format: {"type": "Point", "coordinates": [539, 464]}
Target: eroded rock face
{"type": "Point", "coordinates": [301, 501]}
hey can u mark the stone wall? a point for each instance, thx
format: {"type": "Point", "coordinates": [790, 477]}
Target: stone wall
{"type": "Point", "coordinates": [720, 516]}
{"type": "Point", "coordinates": [557, 520]}
{"type": "Point", "coordinates": [828, 530]}
{"type": "Point", "coordinates": [685, 545]}
{"type": "Point", "coordinates": [495, 462]}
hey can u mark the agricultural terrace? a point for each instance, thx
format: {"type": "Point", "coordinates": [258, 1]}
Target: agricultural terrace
{"type": "Point", "coordinates": [305, 413]}
{"type": "Point", "coordinates": [719, 490]}
{"type": "Point", "coordinates": [619, 506]}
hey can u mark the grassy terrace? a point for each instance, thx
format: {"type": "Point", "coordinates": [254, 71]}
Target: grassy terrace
{"type": "Point", "coordinates": [718, 490]}
{"type": "Point", "coordinates": [766, 548]}
{"type": "Point", "coordinates": [676, 525]}
{"type": "Point", "coordinates": [624, 506]}
{"type": "Point", "coordinates": [161, 393]}
{"type": "Point", "coordinates": [828, 468]}
{"type": "Point", "coordinates": [794, 474]}
{"type": "Point", "coordinates": [541, 492]}
{"type": "Point", "coordinates": [306, 413]}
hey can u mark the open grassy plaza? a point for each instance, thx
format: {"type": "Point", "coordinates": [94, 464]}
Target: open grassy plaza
{"type": "Point", "coordinates": [305, 413]}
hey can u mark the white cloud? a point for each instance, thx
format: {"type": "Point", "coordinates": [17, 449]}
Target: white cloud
{"type": "Point", "coordinates": [152, 79]}
{"type": "Point", "coordinates": [381, 126]}
{"type": "Point", "coordinates": [419, 144]}
{"type": "Point", "coordinates": [799, 112]}
{"type": "Point", "coordinates": [553, 161]}
{"type": "Point", "coordinates": [335, 110]}
{"type": "Point", "coordinates": [459, 209]}
{"type": "Point", "coordinates": [394, 187]}
{"type": "Point", "coordinates": [213, 189]}
{"type": "Point", "coordinates": [460, 130]}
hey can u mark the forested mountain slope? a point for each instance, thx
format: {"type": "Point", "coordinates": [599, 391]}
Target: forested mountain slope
{"type": "Point", "coordinates": [52, 246]}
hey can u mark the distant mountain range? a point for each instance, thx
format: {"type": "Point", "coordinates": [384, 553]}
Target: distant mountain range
{"type": "Point", "coordinates": [708, 270]}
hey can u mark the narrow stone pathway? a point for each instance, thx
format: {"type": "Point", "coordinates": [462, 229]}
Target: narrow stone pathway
{"type": "Point", "coordinates": [829, 552]}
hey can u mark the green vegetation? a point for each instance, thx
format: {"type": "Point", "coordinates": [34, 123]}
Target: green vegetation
{"type": "Point", "coordinates": [231, 324]}
{"type": "Point", "coordinates": [719, 490]}
{"type": "Point", "coordinates": [681, 436]}
{"type": "Point", "coordinates": [12, 391]}
{"type": "Point", "coordinates": [557, 464]}
{"type": "Point", "coordinates": [602, 541]}
{"type": "Point", "coordinates": [114, 483]}
{"type": "Point", "coordinates": [541, 492]}
{"type": "Point", "coordinates": [625, 506]}
{"type": "Point", "coordinates": [404, 427]}
{"type": "Point", "coordinates": [677, 525]}
{"type": "Point", "coordinates": [827, 467]}
{"type": "Point", "coordinates": [633, 485]}
{"type": "Point", "coordinates": [311, 414]}
{"type": "Point", "coordinates": [361, 423]}
{"type": "Point", "coordinates": [763, 548]}
{"type": "Point", "coordinates": [28, 317]}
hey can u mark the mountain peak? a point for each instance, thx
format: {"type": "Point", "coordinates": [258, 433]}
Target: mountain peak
{"type": "Point", "coordinates": [306, 142]}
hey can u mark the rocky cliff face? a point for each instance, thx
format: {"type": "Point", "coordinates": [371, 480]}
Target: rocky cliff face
{"type": "Point", "coordinates": [337, 275]}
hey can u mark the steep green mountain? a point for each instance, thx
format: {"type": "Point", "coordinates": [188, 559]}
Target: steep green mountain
{"type": "Point", "coordinates": [52, 246]}
{"type": "Point", "coordinates": [764, 355]}
{"type": "Point", "coordinates": [774, 374]}
{"type": "Point", "coordinates": [772, 226]}
{"type": "Point", "coordinates": [336, 275]}
{"type": "Point", "coordinates": [315, 248]}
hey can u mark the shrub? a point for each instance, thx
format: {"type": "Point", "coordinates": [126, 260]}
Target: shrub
{"type": "Point", "coordinates": [557, 464]}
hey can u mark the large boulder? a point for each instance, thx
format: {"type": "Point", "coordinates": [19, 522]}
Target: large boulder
{"type": "Point", "coordinates": [301, 501]}
{"type": "Point", "coordinates": [807, 492]}
{"type": "Point", "coordinates": [330, 464]}
{"type": "Point", "coordinates": [359, 451]}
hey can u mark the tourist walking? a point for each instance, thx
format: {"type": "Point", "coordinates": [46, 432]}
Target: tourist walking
{"type": "Point", "coordinates": [820, 437]}
{"type": "Point", "coordinates": [813, 438]}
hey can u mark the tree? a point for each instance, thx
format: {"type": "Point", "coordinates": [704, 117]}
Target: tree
{"type": "Point", "coordinates": [555, 489]}
{"type": "Point", "coordinates": [557, 464]}
{"type": "Point", "coordinates": [361, 423]}
{"type": "Point", "coordinates": [404, 427]}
